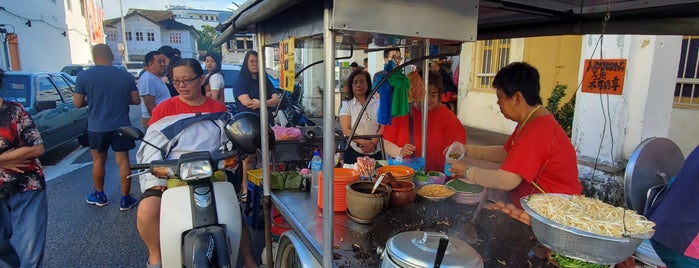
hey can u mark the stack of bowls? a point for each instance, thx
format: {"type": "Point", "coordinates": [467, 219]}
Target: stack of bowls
{"type": "Point", "coordinates": [398, 172]}
{"type": "Point", "coordinates": [466, 193]}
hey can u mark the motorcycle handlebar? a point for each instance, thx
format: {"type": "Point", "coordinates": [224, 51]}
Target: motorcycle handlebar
{"type": "Point", "coordinates": [139, 166]}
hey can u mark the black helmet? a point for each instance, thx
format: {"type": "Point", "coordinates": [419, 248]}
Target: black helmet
{"type": "Point", "coordinates": [243, 129]}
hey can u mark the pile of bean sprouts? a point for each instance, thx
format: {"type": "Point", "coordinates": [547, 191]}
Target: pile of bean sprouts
{"type": "Point", "coordinates": [590, 215]}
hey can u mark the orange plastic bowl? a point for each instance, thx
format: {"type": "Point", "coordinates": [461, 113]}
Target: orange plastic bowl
{"type": "Point", "coordinates": [343, 176]}
{"type": "Point", "coordinates": [398, 172]}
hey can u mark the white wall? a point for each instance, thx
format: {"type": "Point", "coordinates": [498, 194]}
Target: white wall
{"type": "Point", "coordinates": [78, 36]}
{"type": "Point", "coordinates": [684, 129]}
{"type": "Point", "coordinates": [41, 46]}
{"type": "Point", "coordinates": [644, 108]}
{"type": "Point", "coordinates": [140, 24]}
{"type": "Point", "coordinates": [479, 108]}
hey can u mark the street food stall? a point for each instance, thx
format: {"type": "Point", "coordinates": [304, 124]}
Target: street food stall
{"type": "Point", "coordinates": [322, 237]}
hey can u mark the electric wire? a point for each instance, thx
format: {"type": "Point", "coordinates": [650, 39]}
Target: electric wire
{"type": "Point", "coordinates": [44, 22]}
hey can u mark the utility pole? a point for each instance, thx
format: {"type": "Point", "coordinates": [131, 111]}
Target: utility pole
{"type": "Point", "coordinates": [125, 58]}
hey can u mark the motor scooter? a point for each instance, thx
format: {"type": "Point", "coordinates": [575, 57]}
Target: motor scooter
{"type": "Point", "coordinates": [200, 223]}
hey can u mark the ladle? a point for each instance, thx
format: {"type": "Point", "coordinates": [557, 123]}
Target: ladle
{"type": "Point", "coordinates": [378, 182]}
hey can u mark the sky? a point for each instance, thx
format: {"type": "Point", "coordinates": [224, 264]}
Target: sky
{"type": "Point", "coordinates": [111, 7]}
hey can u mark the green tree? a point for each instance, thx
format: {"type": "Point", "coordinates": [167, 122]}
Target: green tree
{"type": "Point", "coordinates": [563, 114]}
{"type": "Point", "coordinates": [206, 37]}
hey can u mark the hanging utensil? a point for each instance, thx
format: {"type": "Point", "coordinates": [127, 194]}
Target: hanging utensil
{"type": "Point", "coordinates": [470, 228]}
{"type": "Point", "coordinates": [378, 182]}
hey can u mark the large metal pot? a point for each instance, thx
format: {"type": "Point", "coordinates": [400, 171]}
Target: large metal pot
{"type": "Point", "coordinates": [420, 249]}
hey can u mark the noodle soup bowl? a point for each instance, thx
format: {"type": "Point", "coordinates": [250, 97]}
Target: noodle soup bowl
{"type": "Point", "coordinates": [435, 192]}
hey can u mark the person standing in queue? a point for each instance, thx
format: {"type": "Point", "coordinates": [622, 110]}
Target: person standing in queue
{"type": "Point", "coordinates": [151, 86]}
{"type": "Point", "coordinates": [214, 83]}
{"type": "Point", "coordinates": [23, 202]}
{"type": "Point", "coordinates": [247, 93]}
{"type": "Point", "coordinates": [357, 95]}
{"type": "Point", "coordinates": [538, 157]}
{"type": "Point", "coordinates": [676, 238]}
{"type": "Point", "coordinates": [443, 129]}
{"type": "Point", "coordinates": [109, 91]}
{"type": "Point", "coordinates": [188, 78]}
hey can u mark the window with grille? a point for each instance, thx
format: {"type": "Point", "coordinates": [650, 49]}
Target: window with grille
{"type": "Point", "coordinates": [491, 55]}
{"type": "Point", "coordinates": [111, 36]}
{"type": "Point", "coordinates": [139, 36]}
{"type": "Point", "coordinates": [175, 38]}
{"type": "Point", "coordinates": [128, 36]}
{"type": "Point", "coordinates": [151, 36]}
{"type": "Point", "coordinates": [687, 87]}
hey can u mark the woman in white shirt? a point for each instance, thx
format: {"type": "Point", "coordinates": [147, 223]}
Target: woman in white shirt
{"type": "Point", "coordinates": [214, 83]}
{"type": "Point", "coordinates": [359, 86]}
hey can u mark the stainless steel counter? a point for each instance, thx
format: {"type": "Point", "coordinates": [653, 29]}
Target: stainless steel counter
{"type": "Point", "coordinates": [503, 242]}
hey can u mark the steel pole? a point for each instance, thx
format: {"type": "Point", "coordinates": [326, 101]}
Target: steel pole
{"type": "Point", "coordinates": [264, 135]}
{"type": "Point", "coordinates": [123, 36]}
{"type": "Point", "coordinates": [328, 135]}
{"type": "Point", "coordinates": [426, 98]}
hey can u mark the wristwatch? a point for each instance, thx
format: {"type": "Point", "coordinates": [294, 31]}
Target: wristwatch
{"type": "Point", "coordinates": [467, 172]}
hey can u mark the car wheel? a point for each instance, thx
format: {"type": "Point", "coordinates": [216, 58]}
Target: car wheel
{"type": "Point", "coordinates": [84, 140]}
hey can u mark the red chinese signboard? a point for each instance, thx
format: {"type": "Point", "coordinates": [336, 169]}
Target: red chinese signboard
{"type": "Point", "coordinates": [604, 76]}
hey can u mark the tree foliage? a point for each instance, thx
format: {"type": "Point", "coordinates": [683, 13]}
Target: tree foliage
{"type": "Point", "coordinates": [206, 36]}
{"type": "Point", "coordinates": [563, 114]}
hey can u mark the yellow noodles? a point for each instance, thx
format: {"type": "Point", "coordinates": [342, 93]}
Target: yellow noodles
{"type": "Point", "coordinates": [434, 190]}
{"type": "Point", "coordinates": [589, 214]}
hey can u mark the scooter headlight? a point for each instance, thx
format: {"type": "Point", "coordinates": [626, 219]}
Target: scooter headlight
{"type": "Point", "coordinates": [194, 170]}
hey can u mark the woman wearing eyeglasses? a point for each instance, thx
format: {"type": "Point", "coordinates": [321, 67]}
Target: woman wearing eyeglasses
{"type": "Point", "coordinates": [187, 80]}
{"type": "Point", "coordinates": [247, 93]}
{"type": "Point", "coordinates": [187, 77]}
{"type": "Point", "coordinates": [538, 156]}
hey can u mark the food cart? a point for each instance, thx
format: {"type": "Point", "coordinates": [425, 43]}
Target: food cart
{"type": "Point", "coordinates": [328, 239]}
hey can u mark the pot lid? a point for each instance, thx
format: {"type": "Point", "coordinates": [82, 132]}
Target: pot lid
{"type": "Point", "coordinates": [419, 249]}
{"type": "Point", "coordinates": [653, 162]}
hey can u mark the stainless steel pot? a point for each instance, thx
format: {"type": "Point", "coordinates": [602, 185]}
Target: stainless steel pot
{"type": "Point", "coordinates": [420, 249]}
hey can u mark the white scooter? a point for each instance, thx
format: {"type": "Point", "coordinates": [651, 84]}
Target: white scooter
{"type": "Point", "coordinates": [200, 223]}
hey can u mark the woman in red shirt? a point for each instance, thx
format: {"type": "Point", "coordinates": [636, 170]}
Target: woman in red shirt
{"type": "Point", "coordinates": [538, 156]}
{"type": "Point", "coordinates": [443, 129]}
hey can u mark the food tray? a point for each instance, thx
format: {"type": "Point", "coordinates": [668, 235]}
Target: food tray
{"type": "Point", "coordinates": [578, 244]}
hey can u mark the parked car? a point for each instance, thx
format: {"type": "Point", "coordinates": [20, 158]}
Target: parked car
{"type": "Point", "coordinates": [134, 68]}
{"type": "Point", "coordinates": [230, 74]}
{"type": "Point", "coordinates": [48, 97]}
{"type": "Point", "coordinates": [74, 69]}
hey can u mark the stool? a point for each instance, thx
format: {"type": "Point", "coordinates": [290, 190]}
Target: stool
{"type": "Point", "coordinates": [252, 210]}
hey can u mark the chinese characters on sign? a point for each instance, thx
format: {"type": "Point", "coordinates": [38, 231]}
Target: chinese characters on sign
{"type": "Point", "coordinates": [604, 76]}
{"type": "Point", "coordinates": [287, 72]}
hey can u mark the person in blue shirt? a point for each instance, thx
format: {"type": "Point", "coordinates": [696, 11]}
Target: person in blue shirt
{"type": "Point", "coordinates": [247, 94]}
{"type": "Point", "coordinates": [110, 91]}
{"type": "Point", "coordinates": [676, 238]}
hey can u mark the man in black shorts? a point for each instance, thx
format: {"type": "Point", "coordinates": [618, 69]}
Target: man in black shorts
{"type": "Point", "coordinates": [110, 92]}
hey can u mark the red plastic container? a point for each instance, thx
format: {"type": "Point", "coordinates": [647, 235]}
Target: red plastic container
{"type": "Point", "coordinates": [343, 176]}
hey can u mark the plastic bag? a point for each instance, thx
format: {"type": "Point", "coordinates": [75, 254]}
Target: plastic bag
{"type": "Point", "coordinates": [456, 151]}
{"type": "Point", "coordinates": [286, 133]}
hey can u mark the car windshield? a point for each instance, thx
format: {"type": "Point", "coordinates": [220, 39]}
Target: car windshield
{"type": "Point", "coordinates": [16, 88]}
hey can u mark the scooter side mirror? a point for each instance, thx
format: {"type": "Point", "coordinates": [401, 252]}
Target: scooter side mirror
{"type": "Point", "coordinates": [136, 134]}
{"type": "Point", "coordinates": [130, 132]}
